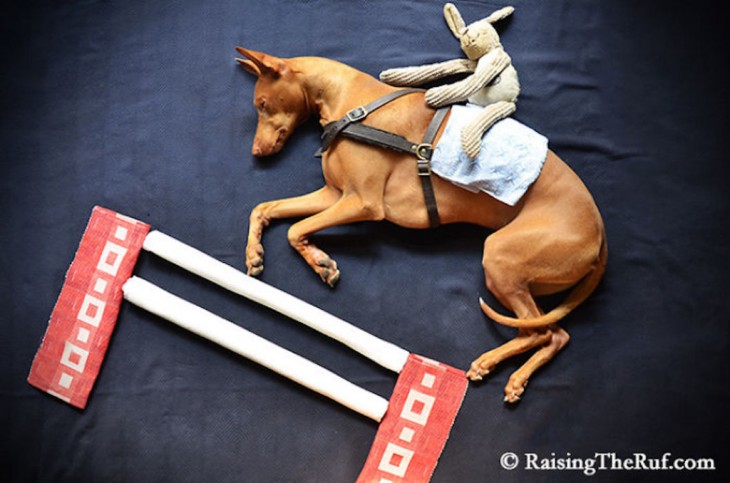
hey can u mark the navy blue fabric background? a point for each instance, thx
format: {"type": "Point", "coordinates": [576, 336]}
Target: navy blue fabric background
{"type": "Point", "coordinates": [139, 106]}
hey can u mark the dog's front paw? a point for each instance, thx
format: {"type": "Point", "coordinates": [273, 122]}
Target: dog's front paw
{"type": "Point", "coordinates": [254, 259]}
{"type": "Point", "coordinates": [328, 271]}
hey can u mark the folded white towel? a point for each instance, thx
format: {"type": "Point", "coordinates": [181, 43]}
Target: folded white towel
{"type": "Point", "coordinates": [510, 159]}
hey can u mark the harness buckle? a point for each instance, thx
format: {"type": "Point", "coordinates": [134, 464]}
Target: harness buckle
{"type": "Point", "coordinates": [423, 152]}
{"type": "Point", "coordinates": [424, 167]}
{"type": "Point", "coordinates": [357, 114]}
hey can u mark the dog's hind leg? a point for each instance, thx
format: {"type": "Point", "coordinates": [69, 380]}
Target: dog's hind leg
{"type": "Point", "coordinates": [523, 305]}
{"type": "Point", "coordinates": [520, 301]}
{"type": "Point", "coordinates": [506, 275]}
{"type": "Point", "coordinates": [525, 340]}
{"type": "Point", "coordinates": [518, 380]}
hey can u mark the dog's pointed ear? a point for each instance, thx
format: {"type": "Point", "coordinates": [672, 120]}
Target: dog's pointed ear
{"type": "Point", "coordinates": [260, 64]}
{"type": "Point", "coordinates": [248, 65]}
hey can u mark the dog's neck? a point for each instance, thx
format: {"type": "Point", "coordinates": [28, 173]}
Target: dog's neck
{"type": "Point", "coordinates": [331, 88]}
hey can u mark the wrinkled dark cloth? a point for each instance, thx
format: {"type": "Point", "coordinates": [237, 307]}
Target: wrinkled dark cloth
{"type": "Point", "coordinates": [139, 106]}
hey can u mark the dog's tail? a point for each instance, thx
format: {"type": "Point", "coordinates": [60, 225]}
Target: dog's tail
{"type": "Point", "coordinates": [577, 296]}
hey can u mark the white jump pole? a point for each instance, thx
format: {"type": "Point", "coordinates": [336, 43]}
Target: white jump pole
{"type": "Point", "coordinates": [237, 339]}
{"type": "Point", "coordinates": [193, 260]}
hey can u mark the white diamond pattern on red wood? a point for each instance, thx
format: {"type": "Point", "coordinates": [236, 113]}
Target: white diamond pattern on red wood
{"type": "Point", "coordinates": [415, 428]}
{"type": "Point", "coordinates": [86, 311]}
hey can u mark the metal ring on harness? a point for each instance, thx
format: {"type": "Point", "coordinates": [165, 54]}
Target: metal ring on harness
{"type": "Point", "coordinates": [424, 152]}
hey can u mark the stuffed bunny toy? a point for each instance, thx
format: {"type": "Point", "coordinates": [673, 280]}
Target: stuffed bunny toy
{"type": "Point", "coordinates": [493, 81]}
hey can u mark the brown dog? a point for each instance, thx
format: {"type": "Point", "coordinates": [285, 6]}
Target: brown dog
{"type": "Point", "coordinates": [549, 241]}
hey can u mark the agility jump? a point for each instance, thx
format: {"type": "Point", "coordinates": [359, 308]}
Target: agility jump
{"type": "Point", "coordinates": [414, 424]}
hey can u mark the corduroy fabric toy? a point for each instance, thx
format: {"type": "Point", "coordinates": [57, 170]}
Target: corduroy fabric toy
{"type": "Point", "coordinates": [493, 82]}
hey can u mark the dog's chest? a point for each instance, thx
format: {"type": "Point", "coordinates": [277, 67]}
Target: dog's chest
{"type": "Point", "coordinates": [333, 170]}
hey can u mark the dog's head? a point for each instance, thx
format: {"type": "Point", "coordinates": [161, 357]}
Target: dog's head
{"type": "Point", "coordinates": [278, 99]}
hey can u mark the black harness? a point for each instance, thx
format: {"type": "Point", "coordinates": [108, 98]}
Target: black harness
{"type": "Point", "coordinates": [350, 126]}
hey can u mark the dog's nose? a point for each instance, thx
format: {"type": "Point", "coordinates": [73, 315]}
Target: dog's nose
{"type": "Point", "coordinates": [257, 149]}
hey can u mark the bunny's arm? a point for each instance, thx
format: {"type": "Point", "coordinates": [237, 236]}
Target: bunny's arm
{"type": "Point", "coordinates": [488, 67]}
{"type": "Point", "coordinates": [414, 76]}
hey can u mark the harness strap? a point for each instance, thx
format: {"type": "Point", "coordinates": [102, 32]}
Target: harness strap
{"type": "Point", "coordinates": [332, 129]}
{"type": "Point", "coordinates": [350, 126]}
{"type": "Point", "coordinates": [424, 152]}
{"type": "Point", "coordinates": [378, 137]}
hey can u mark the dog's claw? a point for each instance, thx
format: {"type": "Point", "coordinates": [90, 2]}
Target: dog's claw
{"type": "Point", "coordinates": [327, 270]}
{"type": "Point", "coordinates": [514, 390]}
{"type": "Point", "coordinates": [334, 278]}
{"type": "Point", "coordinates": [256, 270]}
{"type": "Point", "coordinates": [255, 259]}
{"type": "Point", "coordinates": [330, 276]}
{"type": "Point", "coordinates": [479, 368]}
{"type": "Point", "coordinates": [513, 396]}
{"type": "Point", "coordinates": [476, 373]}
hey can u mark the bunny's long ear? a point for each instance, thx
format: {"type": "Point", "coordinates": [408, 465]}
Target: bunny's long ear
{"type": "Point", "coordinates": [500, 14]}
{"type": "Point", "coordinates": [454, 20]}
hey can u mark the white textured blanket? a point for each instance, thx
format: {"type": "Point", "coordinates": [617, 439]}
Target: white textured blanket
{"type": "Point", "coordinates": [510, 160]}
